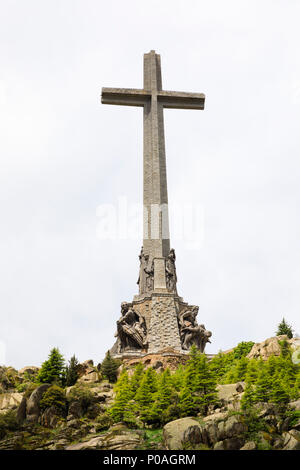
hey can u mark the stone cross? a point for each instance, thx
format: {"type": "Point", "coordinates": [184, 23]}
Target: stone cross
{"type": "Point", "coordinates": [154, 99]}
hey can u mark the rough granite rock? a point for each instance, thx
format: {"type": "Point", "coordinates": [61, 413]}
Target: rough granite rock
{"type": "Point", "coordinates": [173, 432]}
{"type": "Point", "coordinates": [30, 370]}
{"type": "Point", "coordinates": [50, 417]}
{"type": "Point", "coordinates": [268, 347]}
{"type": "Point", "coordinates": [294, 405]}
{"type": "Point", "coordinates": [291, 440]}
{"type": "Point", "coordinates": [32, 408]}
{"type": "Point", "coordinates": [192, 435]}
{"type": "Point", "coordinates": [220, 427]}
{"type": "Point", "coordinates": [229, 444]}
{"type": "Point", "coordinates": [21, 411]}
{"type": "Point", "coordinates": [10, 401]}
{"type": "Point", "coordinates": [231, 394]}
{"type": "Point", "coordinates": [250, 445]}
{"type": "Point", "coordinates": [126, 440]}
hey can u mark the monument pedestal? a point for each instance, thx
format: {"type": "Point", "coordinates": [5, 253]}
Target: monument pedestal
{"type": "Point", "coordinates": [160, 310]}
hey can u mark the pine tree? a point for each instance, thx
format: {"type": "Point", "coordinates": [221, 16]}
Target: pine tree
{"type": "Point", "coordinates": [187, 403]}
{"type": "Point", "coordinates": [241, 369]}
{"type": "Point", "coordinates": [72, 371]}
{"type": "Point", "coordinates": [163, 397]}
{"type": "Point", "coordinates": [120, 408]}
{"type": "Point", "coordinates": [279, 393]}
{"type": "Point", "coordinates": [252, 371]}
{"type": "Point", "coordinates": [205, 384]}
{"type": "Point", "coordinates": [52, 369]}
{"type": "Point", "coordinates": [284, 329]}
{"type": "Point", "coordinates": [145, 395]}
{"type": "Point", "coordinates": [178, 378]}
{"type": "Point", "coordinates": [199, 385]}
{"type": "Point", "coordinates": [137, 377]}
{"type": "Point", "coordinates": [263, 387]}
{"type": "Point", "coordinates": [109, 368]}
{"type": "Point", "coordinates": [248, 398]}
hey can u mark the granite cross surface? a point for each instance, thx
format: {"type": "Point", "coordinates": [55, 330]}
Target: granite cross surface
{"type": "Point", "coordinates": [154, 99]}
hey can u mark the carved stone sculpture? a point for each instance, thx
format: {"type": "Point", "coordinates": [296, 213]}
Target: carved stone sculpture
{"type": "Point", "coordinates": [131, 329]}
{"type": "Point", "coordinates": [190, 332]}
{"type": "Point", "coordinates": [149, 271]}
{"type": "Point", "coordinates": [171, 277]}
{"type": "Point", "coordinates": [146, 276]}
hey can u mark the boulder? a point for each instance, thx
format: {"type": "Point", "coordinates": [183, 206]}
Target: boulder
{"type": "Point", "coordinates": [85, 367]}
{"type": "Point", "coordinates": [75, 410]}
{"type": "Point", "coordinates": [30, 370]}
{"type": "Point", "coordinates": [32, 408]}
{"type": "Point", "coordinates": [192, 435]}
{"type": "Point", "coordinates": [21, 411]}
{"type": "Point", "coordinates": [231, 394]}
{"type": "Point", "coordinates": [234, 426]}
{"type": "Point", "coordinates": [229, 444]}
{"type": "Point", "coordinates": [9, 401]}
{"type": "Point", "coordinates": [250, 445]}
{"type": "Point", "coordinates": [91, 444]}
{"type": "Point", "coordinates": [291, 440]}
{"type": "Point", "coordinates": [220, 427]}
{"type": "Point", "coordinates": [125, 440]}
{"type": "Point", "coordinates": [294, 405]}
{"type": "Point", "coordinates": [173, 432]}
{"type": "Point", "coordinates": [240, 387]}
{"type": "Point", "coordinates": [267, 348]}
{"type": "Point", "coordinates": [89, 377]}
{"type": "Point", "coordinates": [50, 417]}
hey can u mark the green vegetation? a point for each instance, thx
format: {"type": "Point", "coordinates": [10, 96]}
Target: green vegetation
{"type": "Point", "coordinates": [154, 399]}
{"type": "Point", "coordinates": [8, 423]}
{"type": "Point", "coordinates": [109, 368]}
{"type": "Point", "coordinates": [284, 329]}
{"type": "Point", "coordinates": [54, 396]}
{"type": "Point", "coordinates": [72, 371]}
{"type": "Point", "coordinates": [52, 370]}
{"type": "Point", "coordinates": [231, 367]}
{"type": "Point", "coordinates": [82, 394]}
{"type": "Point", "coordinates": [151, 398]}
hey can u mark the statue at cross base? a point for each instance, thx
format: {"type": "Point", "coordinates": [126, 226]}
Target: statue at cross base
{"type": "Point", "coordinates": [157, 318]}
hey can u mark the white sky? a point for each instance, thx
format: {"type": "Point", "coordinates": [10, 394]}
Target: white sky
{"type": "Point", "coordinates": [62, 154]}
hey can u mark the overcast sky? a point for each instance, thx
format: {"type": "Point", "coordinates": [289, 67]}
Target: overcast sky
{"type": "Point", "coordinates": [63, 154]}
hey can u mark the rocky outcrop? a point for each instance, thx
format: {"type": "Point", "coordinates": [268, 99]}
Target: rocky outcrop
{"type": "Point", "coordinates": [169, 358]}
{"type": "Point", "coordinates": [291, 440]}
{"type": "Point", "coordinates": [250, 445]}
{"type": "Point", "coordinates": [173, 432]}
{"type": "Point", "coordinates": [10, 401]}
{"type": "Point", "coordinates": [32, 407]}
{"type": "Point", "coordinates": [88, 373]}
{"type": "Point", "coordinates": [271, 346]}
{"type": "Point", "coordinates": [30, 370]}
{"type": "Point", "coordinates": [218, 431]}
{"type": "Point", "coordinates": [295, 405]}
{"type": "Point", "coordinates": [230, 395]}
{"type": "Point", "coordinates": [50, 417]}
{"type": "Point", "coordinates": [115, 439]}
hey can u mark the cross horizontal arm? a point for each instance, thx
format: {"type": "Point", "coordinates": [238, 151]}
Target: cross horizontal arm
{"type": "Point", "coordinates": [181, 100]}
{"type": "Point", "coordinates": [125, 96]}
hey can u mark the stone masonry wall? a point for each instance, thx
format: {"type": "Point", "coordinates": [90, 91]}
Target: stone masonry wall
{"type": "Point", "coordinates": [163, 331]}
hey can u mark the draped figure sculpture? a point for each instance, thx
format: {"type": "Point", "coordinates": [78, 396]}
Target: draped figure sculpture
{"type": "Point", "coordinates": [190, 332]}
{"type": "Point", "coordinates": [131, 329]}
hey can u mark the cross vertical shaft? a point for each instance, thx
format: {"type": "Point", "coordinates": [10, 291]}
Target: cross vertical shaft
{"type": "Point", "coordinates": [156, 253]}
{"type": "Point", "coordinates": [155, 195]}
